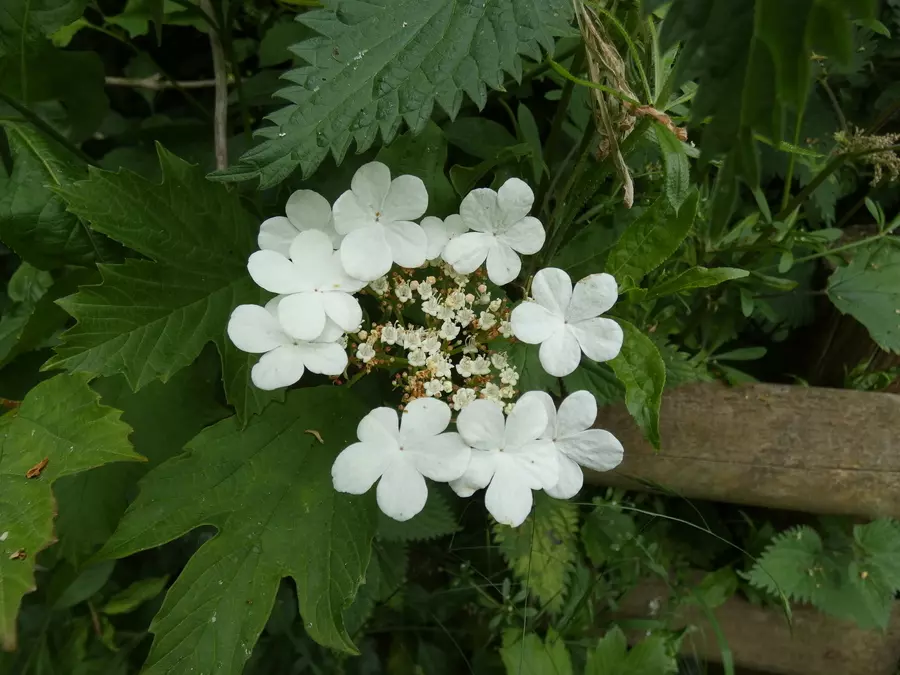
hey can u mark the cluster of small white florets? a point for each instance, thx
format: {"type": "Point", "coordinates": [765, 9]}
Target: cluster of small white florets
{"type": "Point", "coordinates": [319, 258]}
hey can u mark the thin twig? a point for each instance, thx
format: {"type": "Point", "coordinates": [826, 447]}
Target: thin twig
{"type": "Point", "coordinates": [157, 82]}
{"type": "Point", "coordinates": [220, 114]}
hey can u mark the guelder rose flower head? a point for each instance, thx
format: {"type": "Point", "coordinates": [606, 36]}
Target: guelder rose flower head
{"type": "Point", "coordinates": [439, 232]}
{"type": "Point", "coordinates": [305, 210]}
{"type": "Point", "coordinates": [508, 457]}
{"type": "Point", "coordinates": [315, 285]}
{"type": "Point", "coordinates": [376, 216]}
{"type": "Point", "coordinates": [576, 443]}
{"type": "Point", "coordinates": [566, 323]}
{"type": "Point", "coordinates": [256, 330]}
{"type": "Point", "coordinates": [502, 230]}
{"type": "Point", "coordinates": [401, 456]}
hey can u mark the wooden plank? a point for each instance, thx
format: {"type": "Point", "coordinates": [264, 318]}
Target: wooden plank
{"type": "Point", "coordinates": [760, 638]}
{"type": "Point", "coordinates": [799, 448]}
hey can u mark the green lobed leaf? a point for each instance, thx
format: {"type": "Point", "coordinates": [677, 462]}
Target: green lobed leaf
{"type": "Point", "coordinates": [651, 239]}
{"type": "Point", "coordinates": [267, 490]}
{"type": "Point", "coordinates": [868, 289]}
{"type": "Point", "coordinates": [60, 421]}
{"type": "Point", "coordinates": [377, 65]}
{"type": "Point", "coordinates": [24, 20]}
{"type": "Point", "coordinates": [650, 656]}
{"type": "Point", "coordinates": [791, 565]}
{"type": "Point", "coordinates": [676, 167]}
{"type": "Point", "coordinates": [151, 318]}
{"type": "Point", "coordinates": [542, 551]}
{"type": "Point", "coordinates": [641, 370]}
{"type": "Point", "coordinates": [437, 519]}
{"type": "Point", "coordinates": [695, 277]}
{"type": "Point", "coordinates": [529, 655]}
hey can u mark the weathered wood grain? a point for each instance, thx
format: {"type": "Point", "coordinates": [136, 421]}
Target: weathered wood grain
{"type": "Point", "coordinates": [799, 448]}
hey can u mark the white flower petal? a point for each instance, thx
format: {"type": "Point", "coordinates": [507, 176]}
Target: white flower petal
{"type": "Point", "coordinates": [538, 461]}
{"type": "Point", "coordinates": [481, 425]}
{"type": "Point", "coordinates": [302, 315]}
{"type": "Point", "coordinates": [503, 264]}
{"type": "Point", "coordinates": [308, 210]}
{"type": "Point", "coordinates": [380, 427]}
{"type": "Point", "coordinates": [477, 475]}
{"type": "Point", "coordinates": [407, 199]}
{"type": "Point", "coordinates": [402, 491]}
{"type": "Point", "coordinates": [515, 198]}
{"type": "Point", "coordinates": [481, 211]}
{"type": "Point", "coordinates": [576, 413]}
{"type": "Point", "coordinates": [595, 449]}
{"type": "Point", "coordinates": [324, 358]}
{"type": "Point", "coordinates": [371, 184]}
{"type": "Point", "coordinates": [549, 407]}
{"type": "Point", "coordinates": [532, 323]}
{"type": "Point", "coordinates": [436, 234]}
{"type": "Point", "coordinates": [594, 295]}
{"type": "Point", "coordinates": [280, 367]}
{"type": "Point", "coordinates": [407, 241]}
{"type": "Point", "coordinates": [276, 234]}
{"type": "Point", "coordinates": [527, 421]}
{"type": "Point", "coordinates": [508, 497]}
{"type": "Point", "coordinates": [358, 466]}
{"type": "Point", "coordinates": [312, 254]}
{"type": "Point", "coordinates": [467, 252]}
{"type": "Point", "coordinates": [343, 309]}
{"type": "Point", "coordinates": [253, 329]}
{"type": "Point", "coordinates": [365, 253]}
{"type": "Point", "coordinates": [423, 419]}
{"type": "Point", "coordinates": [552, 288]}
{"type": "Point", "coordinates": [336, 279]}
{"type": "Point", "coordinates": [600, 339]}
{"type": "Point", "coordinates": [331, 333]}
{"type": "Point", "coordinates": [560, 354]}
{"type": "Point", "coordinates": [275, 273]}
{"type": "Point", "coordinates": [455, 225]}
{"type": "Point", "coordinates": [349, 214]}
{"type": "Point", "coordinates": [525, 236]}
{"type": "Point", "coordinates": [571, 478]}
{"type": "Point", "coordinates": [442, 458]}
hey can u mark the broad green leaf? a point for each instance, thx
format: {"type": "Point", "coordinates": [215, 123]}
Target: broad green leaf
{"type": "Point", "coordinates": [868, 289]}
{"type": "Point", "coordinates": [92, 503]}
{"type": "Point", "coordinates": [529, 655]}
{"type": "Point", "coordinates": [24, 20]}
{"type": "Point", "coordinates": [33, 220]}
{"type": "Point", "coordinates": [59, 421]}
{"type": "Point", "coordinates": [267, 490]}
{"type": "Point", "coordinates": [151, 318]}
{"type": "Point", "coordinates": [716, 587]}
{"type": "Point", "coordinates": [532, 376]}
{"type": "Point", "coordinates": [596, 378]}
{"type": "Point", "coordinates": [479, 137]}
{"type": "Point", "coordinates": [531, 135]}
{"type": "Point", "coordinates": [274, 47]}
{"type": "Point", "coordinates": [137, 15]}
{"type": "Point", "coordinates": [642, 371]}
{"type": "Point", "coordinates": [610, 656]}
{"type": "Point", "coordinates": [425, 156]}
{"type": "Point", "coordinates": [676, 167]}
{"type": "Point", "coordinates": [650, 240]}
{"type": "Point", "coordinates": [650, 656]}
{"type": "Point", "coordinates": [437, 519]}
{"type": "Point", "coordinates": [135, 595]}
{"type": "Point", "coordinates": [91, 579]}
{"type": "Point", "coordinates": [378, 65]}
{"type": "Point", "coordinates": [386, 573]}
{"type": "Point", "coordinates": [695, 277]}
{"type": "Point", "coordinates": [542, 551]}
{"type": "Point", "coordinates": [791, 565]}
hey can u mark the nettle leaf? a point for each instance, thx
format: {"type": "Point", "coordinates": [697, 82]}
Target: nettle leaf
{"type": "Point", "coordinates": [651, 239]}
{"type": "Point", "coordinates": [695, 277]}
{"type": "Point", "coordinates": [529, 655]}
{"type": "Point", "coordinates": [267, 490]}
{"type": "Point", "coordinates": [868, 289]}
{"type": "Point", "coordinates": [437, 519]}
{"type": "Point", "coordinates": [33, 220]}
{"type": "Point", "coordinates": [59, 430]}
{"type": "Point", "coordinates": [378, 64]}
{"type": "Point", "coordinates": [542, 551]}
{"type": "Point", "coordinates": [151, 318]}
{"type": "Point", "coordinates": [25, 20]}
{"type": "Point", "coordinates": [642, 371]}
{"type": "Point", "coordinates": [792, 565]}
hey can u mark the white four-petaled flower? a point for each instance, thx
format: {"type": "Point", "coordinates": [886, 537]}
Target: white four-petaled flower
{"type": "Point", "coordinates": [256, 330]}
{"type": "Point", "coordinates": [376, 216]}
{"type": "Point", "coordinates": [508, 457]}
{"type": "Point", "coordinates": [566, 323]}
{"type": "Point", "coordinates": [314, 283]}
{"type": "Point", "coordinates": [439, 232]}
{"type": "Point", "coordinates": [502, 230]}
{"type": "Point", "coordinates": [401, 456]}
{"type": "Point", "coordinates": [305, 210]}
{"type": "Point", "coordinates": [576, 442]}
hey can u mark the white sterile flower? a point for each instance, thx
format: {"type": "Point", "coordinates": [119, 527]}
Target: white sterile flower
{"type": "Point", "coordinates": [403, 292]}
{"type": "Point", "coordinates": [257, 330]}
{"type": "Point", "coordinates": [507, 457]}
{"type": "Point", "coordinates": [314, 283]}
{"type": "Point", "coordinates": [434, 388]}
{"type": "Point", "coordinates": [305, 210]}
{"type": "Point", "coordinates": [389, 334]}
{"type": "Point", "coordinates": [449, 330]}
{"type": "Point", "coordinates": [502, 230]}
{"type": "Point", "coordinates": [365, 353]}
{"type": "Point", "coordinates": [566, 322]}
{"type": "Point", "coordinates": [464, 317]}
{"type": "Point", "coordinates": [463, 397]}
{"type": "Point", "coordinates": [575, 441]}
{"type": "Point", "coordinates": [486, 321]}
{"type": "Point", "coordinates": [380, 285]}
{"type": "Point", "coordinates": [402, 456]}
{"type": "Point", "coordinates": [376, 215]}
{"type": "Point", "coordinates": [439, 232]}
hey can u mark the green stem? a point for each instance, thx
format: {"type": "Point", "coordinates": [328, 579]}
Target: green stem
{"type": "Point", "coordinates": [45, 128]}
{"type": "Point", "coordinates": [227, 39]}
{"type": "Point", "coordinates": [593, 85]}
{"type": "Point", "coordinates": [789, 177]}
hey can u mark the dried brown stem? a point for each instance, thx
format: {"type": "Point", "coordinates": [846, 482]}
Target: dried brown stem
{"type": "Point", "coordinates": [157, 82]}
{"type": "Point", "coordinates": [220, 110]}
